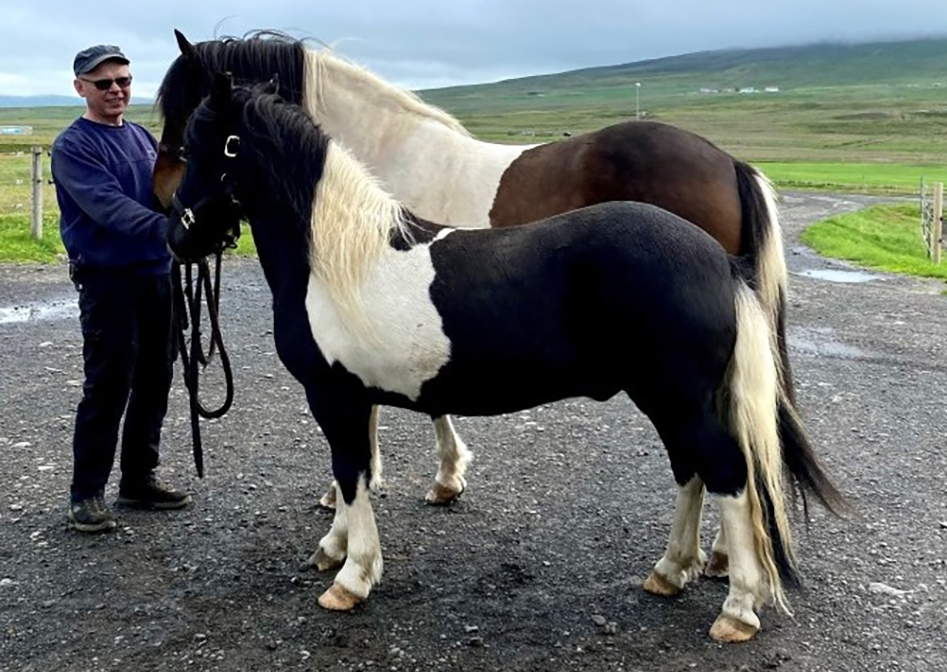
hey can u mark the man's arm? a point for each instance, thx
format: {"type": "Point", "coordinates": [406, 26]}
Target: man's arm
{"type": "Point", "coordinates": [100, 196]}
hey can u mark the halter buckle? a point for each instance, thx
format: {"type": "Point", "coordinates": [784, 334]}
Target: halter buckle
{"type": "Point", "coordinates": [187, 218]}
{"type": "Point", "coordinates": [228, 152]}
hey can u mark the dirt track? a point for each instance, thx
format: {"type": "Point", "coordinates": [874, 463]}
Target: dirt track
{"type": "Point", "coordinates": [538, 567]}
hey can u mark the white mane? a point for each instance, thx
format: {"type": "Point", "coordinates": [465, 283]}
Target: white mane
{"type": "Point", "coordinates": [323, 63]}
{"type": "Point", "coordinates": [352, 223]}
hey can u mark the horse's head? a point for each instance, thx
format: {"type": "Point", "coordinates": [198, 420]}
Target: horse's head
{"type": "Point", "coordinates": [205, 215]}
{"type": "Point", "coordinates": [255, 58]}
{"type": "Point", "coordinates": [184, 85]}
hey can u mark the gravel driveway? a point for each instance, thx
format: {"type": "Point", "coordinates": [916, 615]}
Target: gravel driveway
{"type": "Point", "coordinates": [538, 567]}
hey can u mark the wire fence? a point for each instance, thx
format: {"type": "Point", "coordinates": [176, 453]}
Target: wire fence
{"type": "Point", "coordinates": [26, 192]}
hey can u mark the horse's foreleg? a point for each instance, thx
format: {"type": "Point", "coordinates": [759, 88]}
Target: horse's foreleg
{"type": "Point", "coordinates": [683, 560]}
{"type": "Point", "coordinates": [329, 499]}
{"type": "Point", "coordinates": [334, 546]}
{"type": "Point", "coordinates": [453, 458]}
{"type": "Point", "coordinates": [352, 541]}
{"type": "Point", "coordinates": [363, 565]}
{"type": "Point", "coordinates": [719, 564]}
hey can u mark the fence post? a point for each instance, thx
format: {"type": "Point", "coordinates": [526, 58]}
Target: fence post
{"type": "Point", "coordinates": [937, 223]}
{"type": "Point", "coordinates": [36, 217]}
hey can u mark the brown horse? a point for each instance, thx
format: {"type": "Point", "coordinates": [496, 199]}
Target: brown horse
{"type": "Point", "coordinates": [426, 159]}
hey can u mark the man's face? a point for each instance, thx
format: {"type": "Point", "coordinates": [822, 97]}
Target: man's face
{"type": "Point", "coordinates": [106, 105]}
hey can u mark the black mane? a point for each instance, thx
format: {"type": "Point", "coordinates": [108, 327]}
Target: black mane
{"type": "Point", "coordinates": [285, 148]}
{"type": "Point", "coordinates": [256, 57]}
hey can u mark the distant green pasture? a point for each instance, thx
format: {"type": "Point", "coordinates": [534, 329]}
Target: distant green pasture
{"type": "Point", "coordinates": [876, 178]}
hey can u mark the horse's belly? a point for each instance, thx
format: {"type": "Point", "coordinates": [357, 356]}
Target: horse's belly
{"type": "Point", "coordinates": [460, 390]}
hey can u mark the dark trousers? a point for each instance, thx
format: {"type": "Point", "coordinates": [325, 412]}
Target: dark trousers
{"type": "Point", "coordinates": [128, 351]}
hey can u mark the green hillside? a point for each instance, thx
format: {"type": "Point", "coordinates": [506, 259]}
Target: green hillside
{"type": "Point", "coordinates": [911, 63]}
{"type": "Point", "coordinates": [835, 102]}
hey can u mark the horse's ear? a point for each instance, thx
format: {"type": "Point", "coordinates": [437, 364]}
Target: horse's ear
{"type": "Point", "coordinates": [222, 89]}
{"type": "Point", "coordinates": [187, 49]}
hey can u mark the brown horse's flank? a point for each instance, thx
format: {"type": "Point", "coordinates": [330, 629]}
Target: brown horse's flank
{"type": "Point", "coordinates": [634, 161]}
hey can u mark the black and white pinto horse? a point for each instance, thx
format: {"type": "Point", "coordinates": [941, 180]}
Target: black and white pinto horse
{"type": "Point", "coordinates": [375, 306]}
{"type": "Point", "coordinates": [432, 164]}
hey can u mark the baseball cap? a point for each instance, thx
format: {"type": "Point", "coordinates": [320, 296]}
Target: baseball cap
{"type": "Point", "coordinates": [89, 59]}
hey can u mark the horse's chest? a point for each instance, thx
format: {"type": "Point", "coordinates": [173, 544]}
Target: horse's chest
{"type": "Point", "coordinates": [404, 345]}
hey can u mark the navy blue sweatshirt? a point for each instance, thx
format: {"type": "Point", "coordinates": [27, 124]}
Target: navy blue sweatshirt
{"type": "Point", "coordinates": [103, 185]}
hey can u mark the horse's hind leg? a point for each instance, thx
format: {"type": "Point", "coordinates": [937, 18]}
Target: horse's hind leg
{"type": "Point", "coordinates": [738, 620]}
{"type": "Point", "coordinates": [453, 458]}
{"type": "Point", "coordinates": [683, 560]}
{"type": "Point", "coordinates": [720, 464]}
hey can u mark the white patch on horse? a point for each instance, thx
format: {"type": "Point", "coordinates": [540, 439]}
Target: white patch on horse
{"type": "Point", "coordinates": [392, 338]}
{"type": "Point", "coordinates": [421, 154]}
{"type": "Point", "coordinates": [412, 347]}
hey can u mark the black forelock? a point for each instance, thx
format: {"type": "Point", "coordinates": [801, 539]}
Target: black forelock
{"type": "Point", "coordinates": [283, 144]}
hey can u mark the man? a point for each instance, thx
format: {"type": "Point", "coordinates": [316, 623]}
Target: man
{"type": "Point", "coordinates": [119, 262]}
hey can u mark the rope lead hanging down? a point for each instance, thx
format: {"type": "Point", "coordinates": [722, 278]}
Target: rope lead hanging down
{"type": "Point", "coordinates": [187, 310]}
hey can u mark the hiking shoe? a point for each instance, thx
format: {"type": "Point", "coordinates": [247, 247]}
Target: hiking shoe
{"type": "Point", "coordinates": [91, 515]}
{"type": "Point", "coordinates": [151, 493]}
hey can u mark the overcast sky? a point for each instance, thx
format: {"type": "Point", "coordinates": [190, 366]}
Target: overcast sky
{"type": "Point", "coordinates": [429, 43]}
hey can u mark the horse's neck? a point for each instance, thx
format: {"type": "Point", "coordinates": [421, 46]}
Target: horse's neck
{"type": "Point", "coordinates": [439, 173]}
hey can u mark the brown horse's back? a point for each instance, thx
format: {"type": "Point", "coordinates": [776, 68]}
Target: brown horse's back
{"type": "Point", "coordinates": [637, 161]}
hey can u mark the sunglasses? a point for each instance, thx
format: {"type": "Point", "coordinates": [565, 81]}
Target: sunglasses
{"type": "Point", "coordinates": [106, 84]}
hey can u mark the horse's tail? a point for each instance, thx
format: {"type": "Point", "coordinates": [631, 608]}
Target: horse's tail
{"type": "Point", "coordinates": [748, 406]}
{"type": "Point", "coordinates": [761, 244]}
{"type": "Point", "coordinates": [761, 241]}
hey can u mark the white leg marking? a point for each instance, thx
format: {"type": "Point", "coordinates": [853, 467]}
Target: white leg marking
{"type": "Point", "coordinates": [376, 481]}
{"type": "Point", "coordinates": [333, 546]}
{"type": "Point", "coordinates": [453, 458]}
{"type": "Point", "coordinates": [718, 564]}
{"type": "Point", "coordinates": [327, 501]}
{"type": "Point", "coordinates": [683, 559]}
{"type": "Point", "coordinates": [746, 584]}
{"type": "Point", "coordinates": [363, 566]}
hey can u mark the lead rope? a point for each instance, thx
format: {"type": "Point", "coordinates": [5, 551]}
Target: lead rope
{"type": "Point", "coordinates": [187, 309]}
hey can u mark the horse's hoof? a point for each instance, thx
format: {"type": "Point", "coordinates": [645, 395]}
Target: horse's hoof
{"type": "Point", "coordinates": [327, 501]}
{"type": "Point", "coordinates": [729, 630]}
{"type": "Point", "coordinates": [719, 565]}
{"type": "Point", "coordinates": [658, 585]}
{"type": "Point", "coordinates": [441, 495]}
{"type": "Point", "coordinates": [324, 562]}
{"type": "Point", "coordinates": [338, 598]}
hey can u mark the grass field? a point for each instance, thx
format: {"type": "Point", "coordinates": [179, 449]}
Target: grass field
{"type": "Point", "coordinates": [885, 237]}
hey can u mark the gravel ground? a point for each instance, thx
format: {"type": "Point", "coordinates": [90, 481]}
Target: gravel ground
{"type": "Point", "coordinates": [538, 567]}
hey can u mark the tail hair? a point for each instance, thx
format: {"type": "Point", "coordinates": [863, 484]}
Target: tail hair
{"type": "Point", "coordinates": [749, 409]}
{"type": "Point", "coordinates": [763, 267]}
